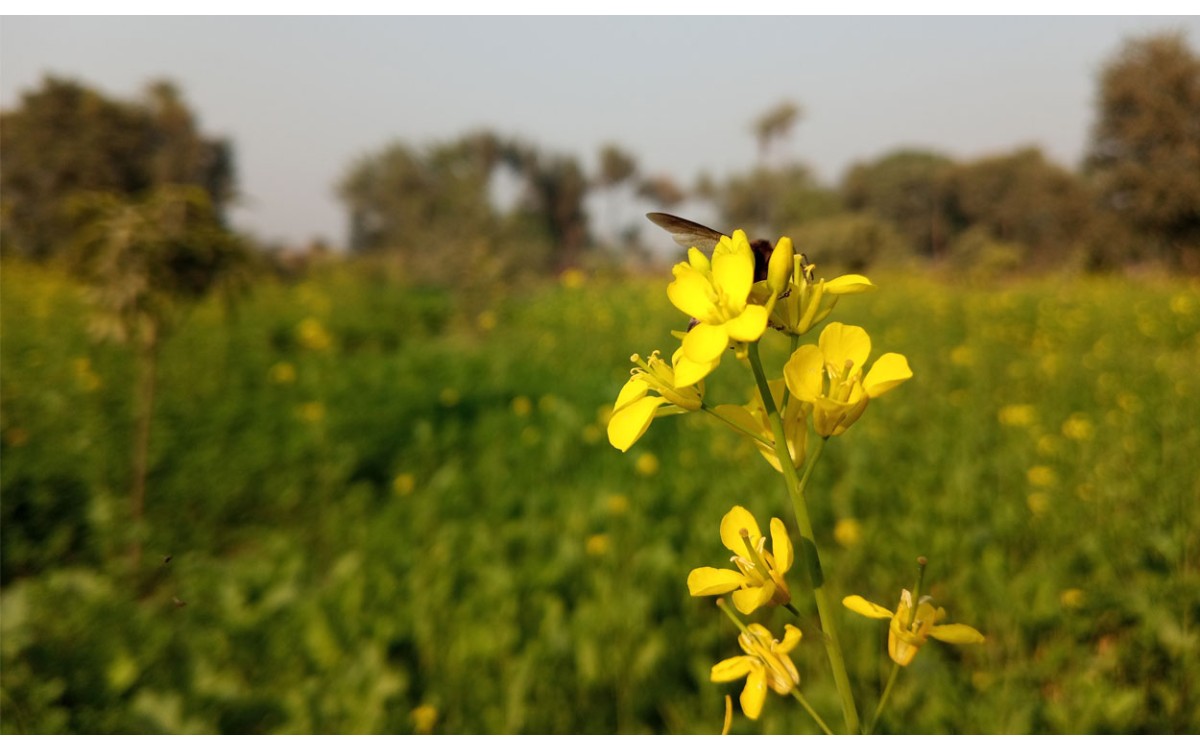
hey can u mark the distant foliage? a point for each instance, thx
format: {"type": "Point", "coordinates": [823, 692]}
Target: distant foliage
{"type": "Point", "coordinates": [65, 138]}
{"type": "Point", "coordinates": [1145, 149]}
{"type": "Point", "coordinates": [911, 190]}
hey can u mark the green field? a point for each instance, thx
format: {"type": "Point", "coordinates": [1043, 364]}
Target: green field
{"type": "Point", "coordinates": [376, 498]}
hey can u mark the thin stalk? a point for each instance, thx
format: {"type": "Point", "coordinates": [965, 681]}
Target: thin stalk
{"type": "Point", "coordinates": [887, 692]}
{"type": "Point", "coordinates": [811, 711]}
{"type": "Point", "coordinates": [709, 410]}
{"type": "Point", "coordinates": [810, 556]}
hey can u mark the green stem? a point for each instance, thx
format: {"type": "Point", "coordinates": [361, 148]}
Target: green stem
{"type": "Point", "coordinates": [709, 410]}
{"type": "Point", "coordinates": [811, 711]}
{"type": "Point", "coordinates": [887, 692]}
{"type": "Point", "coordinates": [810, 555]}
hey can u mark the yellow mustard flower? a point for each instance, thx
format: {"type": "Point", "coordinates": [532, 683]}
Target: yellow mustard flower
{"type": "Point", "coordinates": [716, 294]}
{"type": "Point", "coordinates": [830, 377]}
{"type": "Point", "coordinates": [909, 630]}
{"type": "Point", "coordinates": [759, 578]}
{"type": "Point", "coordinates": [753, 419]}
{"type": "Point", "coordinates": [802, 300]}
{"type": "Point", "coordinates": [636, 408]}
{"type": "Point", "coordinates": [766, 664]}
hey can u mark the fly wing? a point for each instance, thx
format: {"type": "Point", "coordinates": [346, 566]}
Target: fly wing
{"type": "Point", "coordinates": [687, 233]}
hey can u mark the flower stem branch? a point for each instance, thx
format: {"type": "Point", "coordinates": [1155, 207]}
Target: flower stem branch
{"type": "Point", "coordinates": [887, 692]}
{"type": "Point", "coordinates": [709, 410]}
{"type": "Point", "coordinates": [809, 552]}
{"type": "Point", "coordinates": [811, 711]}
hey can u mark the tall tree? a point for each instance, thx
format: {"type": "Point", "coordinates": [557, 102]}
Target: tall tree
{"type": "Point", "coordinates": [65, 138]}
{"type": "Point", "coordinates": [774, 125]}
{"type": "Point", "coordinates": [1144, 155]}
{"type": "Point", "coordinates": [908, 188]}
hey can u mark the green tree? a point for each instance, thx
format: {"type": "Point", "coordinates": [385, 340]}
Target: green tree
{"type": "Point", "coordinates": [1144, 155]}
{"type": "Point", "coordinates": [65, 138]}
{"type": "Point", "coordinates": [774, 125]}
{"type": "Point", "coordinates": [909, 189]}
{"type": "Point", "coordinates": [774, 200]}
{"type": "Point", "coordinates": [142, 260]}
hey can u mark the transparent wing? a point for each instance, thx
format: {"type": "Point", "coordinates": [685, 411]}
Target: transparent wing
{"type": "Point", "coordinates": [687, 233]}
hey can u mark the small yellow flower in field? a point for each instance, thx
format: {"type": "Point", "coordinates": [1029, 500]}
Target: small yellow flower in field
{"type": "Point", "coordinates": [1016, 415]}
{"type": "Point", "coordinates": [716, 294]}
{"type": "Point", "coordinates": [1041, 476]}
{"type": "Point", "coordinates": [766, 664]}
{"type": "Point", "coordinates": [910, 629]}
{"type": "Point", "coordinates": [313, 335]}
{"type": "Point", "coordinates": [404, 484]}
{"type": "Point", "coordinates": [830, 377]}
{"type": "Point", "coordinates": [618, 505]}
{"type": "Point", "coordinates": [572, 278]}
{"type": "Point", "coordinates": [85, 376]}
{"type": "Point", "coordinates": [962, 355]}
{"type": "Point", "coordinates": [424, 717]}
{"type": "Point", "coordinates": [1071, 598]}
{"type": "Point", "coordinates": [847, 532]}
{"type": "Point", "coordinates": [759, 578]}
{"type": "Point", "coordinates": [486, 320]}
{"type": "Point", "coordinates": [636, 408]}
{"type": "Point", "coordinates": [282, 372]}
{"type": "Point", "coordinates": [1038, 502]}
{"type": "Point", "coordinates": [753, 419]}
{"type": "Point", "coordinates": [312, 412]}
{"type": "Point", "coordinates": [1078, 427]}
{"type": "Point", "coordinates": [646, 464]}
{"type": "Point", "coordinates": [597, 545]}
{"type": "Point", "coordinates": [448, 396]}
{"type": "Point", "coordinates": [522, 406]}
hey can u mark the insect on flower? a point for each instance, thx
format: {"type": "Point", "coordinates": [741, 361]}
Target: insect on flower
{"type": "Point", "coordinates": [688, 234]}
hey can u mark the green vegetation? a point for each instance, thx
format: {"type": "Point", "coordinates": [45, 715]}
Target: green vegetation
{"type": "Point", "coordinates": [377, 497]}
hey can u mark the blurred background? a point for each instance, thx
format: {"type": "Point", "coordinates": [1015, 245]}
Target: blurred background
{"type": "Point", "coordinates": [311, 328]}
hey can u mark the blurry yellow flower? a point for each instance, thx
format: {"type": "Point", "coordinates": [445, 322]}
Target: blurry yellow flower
{"type": "Point", "coordinates": [282, 372]}
{"type": "Point", "coordinates": [618, 505]}
{"type": "Point", "coordinates": [1038, 503]}
{"type": "Point", "coordinates": [424, 717]}
{"type": "Point", "coordinates": [1071, 598]}
{"type": "Point", "coordinates": [313, 335]}
{"type": "Point", "coordinates": [597, 545]}
{"type": "Point", "coordinates": [85, 376]}
{"type": "Point", "coordinates": [759, 578]}
{"type": "Point", "coordinates": [448, 396]}
{"type": "Point", "coordinates": [522, 406]}
{"type": "Point", "coordinates": [962, 355]}
{"type": "Point", "coordinates": [312, 412]}
{"type": "Point", "coordinates": [572, 278]}
{"type": "Point", "coordinates": [646, 464]}
{"type": "Point", "coordinates": [404, 484]}
{"type": "Point", "coordinates": [716, 294]}
{"type": "Point", "coordinates": [830, 377]}
{"type": "Point", "coordinates": [1078, 427]}
{"type": "Point", "coordinates": [766, 664]}
{"type": "Point", "coordinates": [910, 629]}
{"type": "Point", "coordinates": [1016, 415]}
{"type": "Point", "coordinates": [1041, 476]}
{"type": "Point", "coordinates": [636, 408]}
{"type": "Point", "coordinates": [753, 419]}
{"type": "Point", "coordinates": [847, 532]}
{"type": "Point", "coordinates": [486, 320]}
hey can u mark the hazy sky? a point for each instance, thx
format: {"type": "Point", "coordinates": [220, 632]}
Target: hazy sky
{"type": "Point", "coordinates": [302, 98]}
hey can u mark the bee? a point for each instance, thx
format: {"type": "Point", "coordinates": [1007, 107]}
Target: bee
{"type": "Point", "coordinates": [689, 234]}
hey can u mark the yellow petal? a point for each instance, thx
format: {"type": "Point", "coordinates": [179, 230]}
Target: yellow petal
{"type": "Point", "coordinates": [728, 716]}
{"type": "Point", "coordinates": [628, 425]}
{"type": "Point", "coordinates": [849, 284]}
{"type": "Point", "coordinates": [630, 392]}
{"type": "Point", "coordinates": [755, 691]}
{"type": "Point", "coordinates": [791, 637]}
{"type": "Point", "coordinates": [889, 371]}
{"type": "Point", "coordinates": [803, 373]}
{"type": "Point", "coordinates": [840, 342]}
{"type": "Point", "coordinates": [733, 275]}
{"type": "Point", "coordinates": [856, 603]}
{"type": "Point", "coordinates": [748, 600]}
{"type": "Point", "coordinates": [750, 325]}
{"type": "Point", "coordinates": [705, 342]}
{"type": "Point", "coordinates": [692, 292]}
{"type": "Point", "coordinates": [781, 265]}
{"type": "Point", "coordinates": [740, 416]}
{"type": "Point", "coordinates": [713, 581]}
{"type": "Point", "coordinates": [956, 634]}
{"type": "Point", "coordinates": [781, 546]}
{"type": "Point", "coordinates": [688, 372]}
{"type": "Point", "coordinates": [733, 668]}
{"type": "Point", "coordinates": [735, 520]}
{"type": "Point", "coordinates": [699, 260]}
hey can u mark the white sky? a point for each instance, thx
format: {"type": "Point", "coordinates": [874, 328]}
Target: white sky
{"type": "Point", "coordinates": [302, 97]}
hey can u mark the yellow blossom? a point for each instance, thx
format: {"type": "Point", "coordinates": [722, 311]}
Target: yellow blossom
{"type": "Point", "coordinates": [597, 545]}
{"type": "Point", "coordinates": [282, 372]}
{"type": "Point", "coordinates": [797, 300]}
{"type": "Point", "coordinates": [636, 408]}
{"type": "Point", "coordinates": [759, 578]}
{"type": "Point", "coordinates": [830, 377]}
{"type": "Point", "coordinates": [404, 483]}
{"type": "Point", "coordinates": [716, 295]}
{"type": "Point", "coordinates": [765, 664]}
{"type": "Point", "coordinates": [910, 629]}
{"type": "Point", "coordinates": [522, 406]}
{"type": "Point", "coordinates": [646, 464]}
{"type": "Point", "coordinates": [424, 717]}
{"type": "Point", "coordinates": [847, 532]}
{"type": "Point", "coordinates": [313, 335]}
